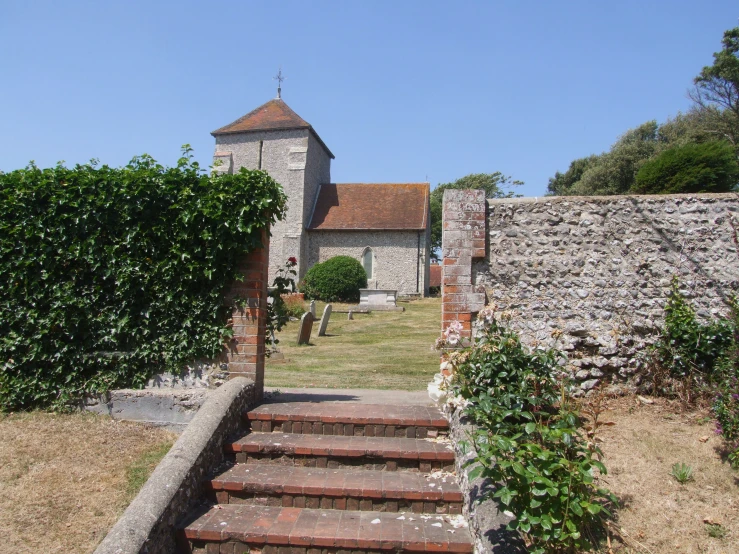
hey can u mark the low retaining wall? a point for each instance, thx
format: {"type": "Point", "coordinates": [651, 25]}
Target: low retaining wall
{"type": "Point", "coordinates": [149, 523]}
{"type": "Point", "coordinates": [487, 523]}
{"type": "Point", "coordinates": [171, 408]}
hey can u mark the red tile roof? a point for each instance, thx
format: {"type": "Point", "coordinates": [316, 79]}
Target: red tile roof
{"type": "Point", "coordinates": [435, 277]}
{"type": "Point", "coordinates": [359, 206]}
{"type": "Point", "coordinates": [275, 115]}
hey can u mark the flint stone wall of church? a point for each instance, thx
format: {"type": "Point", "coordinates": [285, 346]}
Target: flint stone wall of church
{"type": "Point", "coordinates": [599, 269]}
{"type": "Point", "coordinates": [287, 235]}
{"type": "Point", "coordinates": [395, 255]}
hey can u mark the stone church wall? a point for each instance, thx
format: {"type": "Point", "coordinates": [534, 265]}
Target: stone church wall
{"type": "Point", "coordinates": [597, 268]}
{"type": "Point", "coordinates": [395, 255]}
{"type": "Point", "coordinates": [287, 236]}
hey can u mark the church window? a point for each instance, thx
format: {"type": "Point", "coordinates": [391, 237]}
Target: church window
{"type": "Point", "coordinates": [368, 261]}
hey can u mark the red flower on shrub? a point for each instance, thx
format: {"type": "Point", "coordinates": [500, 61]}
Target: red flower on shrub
{"type": "Point", "coordinates": [292, 260]}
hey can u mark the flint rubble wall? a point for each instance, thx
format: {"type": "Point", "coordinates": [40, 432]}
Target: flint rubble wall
{"type": "Point", "coordinates": [599, 269]}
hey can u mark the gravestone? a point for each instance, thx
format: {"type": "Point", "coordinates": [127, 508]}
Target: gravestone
{"type": "Point", "coordinates": [379, 299]}
{"type": "Point", "coordinates": [306, 326]}
{"type": "Point", "coordinates": [350, 316]}
{"type": "Point", "coordinates": [313, 308]}
{"type": "Point", "coordinates": [324, 320]}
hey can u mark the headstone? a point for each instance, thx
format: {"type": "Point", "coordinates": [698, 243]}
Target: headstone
{"type": "Point", "coordinates": [350, 316]}
{"type": "Point", "coordinates": [378, 299]}
{"type": "Point", "coordinates": [313, 308]}
{"type": "Point", "coordinates": [306, 326]}
{"type": "Point", "coordinates": [324, 320]}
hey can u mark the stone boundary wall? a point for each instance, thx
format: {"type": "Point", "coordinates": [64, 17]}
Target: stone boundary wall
{"type": "Point", "coordinates": [596, 268]}
{"type": "Point", "coordinates": [149, 524]}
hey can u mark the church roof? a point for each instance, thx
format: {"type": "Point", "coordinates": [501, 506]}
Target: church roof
{"type": "Point", "coordinates": [275, 115]}
{"type": "Point", "coordinates": [375, 206]}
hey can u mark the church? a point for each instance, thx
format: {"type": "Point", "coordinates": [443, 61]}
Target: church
{"type": "Point", "coordinates": [385, 226]}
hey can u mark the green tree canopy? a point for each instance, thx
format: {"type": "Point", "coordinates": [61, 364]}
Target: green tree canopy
{"type": "Point", "coordinates": [611, 172]}
{"type": "Point", "coordinates": [714, 117]}
{"type": "Point", "coordinates": [717, 89]}
{"type": "Point", "coordinates": [495, 185]}
{"type": "Point", "coordinates": [693, 167]}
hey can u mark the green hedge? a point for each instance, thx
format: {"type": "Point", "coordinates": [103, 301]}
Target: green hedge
{"type": "Point", "coordinates": [110, 275]}
{"type": "Point", "coordinates": [338, 279]}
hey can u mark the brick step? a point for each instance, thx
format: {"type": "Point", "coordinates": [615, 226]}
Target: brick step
{"type": "Point", "coordinates": [324, 451]}
{"type": "Point", "coordinates": [341, 418]}
{"type": "Point", "coordinates": [338, 489]}
{"type": "Point", "coordinates": [234, 528]}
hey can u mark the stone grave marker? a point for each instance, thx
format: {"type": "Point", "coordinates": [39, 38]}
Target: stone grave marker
{"type": "Point", "coordinates": [306, 326]}
{"type": "Point", "coordinates": [324, 320]}
{"type": "Point", "coordinates": [313, 308]}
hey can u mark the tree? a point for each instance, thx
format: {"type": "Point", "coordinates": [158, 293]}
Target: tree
{"type": "Point", "coordinates": [494, 185]}
{"type": "Point", "coordinates": [715, 117]}
{"type": "Point", "coordinates": [561, 183]}
{"type": "Point", "coordinates": [717, 88]}
{"type": "Point", "coordinates": [612, 172]}
{"type": "Point", "coordinates": [693, 167]}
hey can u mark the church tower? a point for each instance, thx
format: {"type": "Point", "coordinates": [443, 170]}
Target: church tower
{"type": "Point", "coordinates": [275, 139]}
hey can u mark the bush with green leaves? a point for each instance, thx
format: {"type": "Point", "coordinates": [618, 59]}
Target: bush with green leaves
{"type": "Point", "coordinates": [530, 439]}
{"type": "Point", "coordinates": [688, 348]}
{"type": "Point", "coordinates": [337, 279]}
{"type": "Point", "coordinates": [693, 167]}
{"type": "Point", "coordinates": [278, 310]}
{"type": "Point", "coordinates": [704, 359]}
{"type": "Point", "coordinates": [110, 275]}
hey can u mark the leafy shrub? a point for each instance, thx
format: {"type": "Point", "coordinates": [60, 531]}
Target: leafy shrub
{"type": "Point", "coordinates": [703, 358]}
{"type": "Point", "coordinates": [530, 439]}
{"type": "Point", "coordinates": [278, 313]}
{"type": "Point", "coordinates": [109, 275]}
{"type": "Point", "coordinates": [692, 167]}
{"type": "Point", "coordinates": [337, 279]}
{"type": "Point", "coordinates": [294, 304]}
{"type": "Point", "coordinates": [688, 348]}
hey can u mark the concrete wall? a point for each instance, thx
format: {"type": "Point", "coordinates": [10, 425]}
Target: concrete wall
{"type": "Point", "coordinates": [599, 269]}
{"type": "Point", "coordinates": [396, 258]}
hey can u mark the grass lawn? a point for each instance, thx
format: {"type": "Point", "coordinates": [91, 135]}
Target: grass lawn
{"type": "Point", "coordinates": [66, 478]}
{"type": "Point", "coordinates": [380, 350]}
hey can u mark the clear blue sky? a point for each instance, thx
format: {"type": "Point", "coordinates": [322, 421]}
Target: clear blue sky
{"type": "Point", "coordinates": [399, 91]}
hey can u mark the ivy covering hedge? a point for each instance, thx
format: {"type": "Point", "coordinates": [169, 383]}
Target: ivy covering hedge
{"type": "Point", "coordinates": [110, 275]}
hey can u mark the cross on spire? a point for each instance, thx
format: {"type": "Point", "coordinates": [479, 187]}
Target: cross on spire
{"type": "Point", "coordinates": [279, 78]}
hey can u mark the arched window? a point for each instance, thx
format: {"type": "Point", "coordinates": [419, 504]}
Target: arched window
{"type": "Point", "coordinates": [368, 262]}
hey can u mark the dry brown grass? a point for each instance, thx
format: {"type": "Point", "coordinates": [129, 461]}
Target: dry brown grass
{"type": "Point", "coordinates": [659, 515]}
{"type": "Point", "coordinates": [63, 478]}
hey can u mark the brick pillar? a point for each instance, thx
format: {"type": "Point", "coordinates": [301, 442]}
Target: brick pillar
{"type": "Point", "coordinates": [463, 239]}
{"type": "Point", "coordinates": [245, 353]}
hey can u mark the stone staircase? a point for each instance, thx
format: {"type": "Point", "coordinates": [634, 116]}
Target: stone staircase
{"type": "Point", "coordinates": [334, 478]}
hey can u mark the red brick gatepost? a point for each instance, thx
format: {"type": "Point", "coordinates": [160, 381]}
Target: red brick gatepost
{"type": "Point", "coordinates": [245, 353]}
{"type": "Point", "coordinates": [463, 240]}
